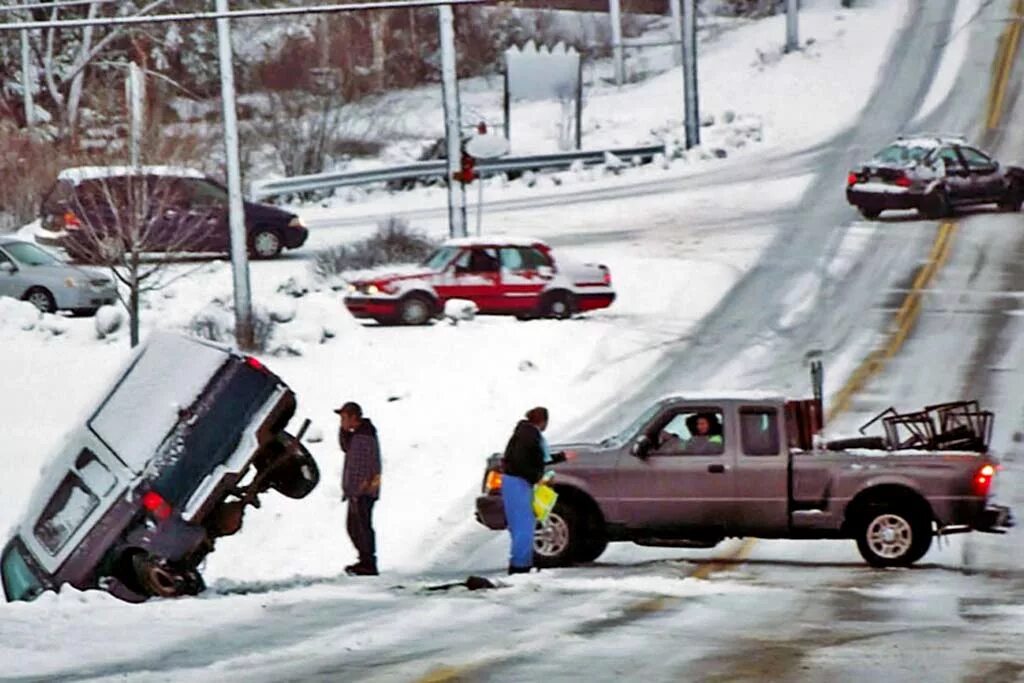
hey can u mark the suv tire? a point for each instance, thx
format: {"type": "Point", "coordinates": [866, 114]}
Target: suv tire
{"type": "Point", "coordinates": [158, 578]}
{"type": "Point", "coordinates": [870, 214]}
{"type": "Point", "coordinates": [893, 535]}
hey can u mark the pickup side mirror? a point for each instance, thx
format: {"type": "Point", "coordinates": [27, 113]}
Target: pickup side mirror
{"type": "Point", "coordinates": [642, 446]}
{"type": "Point", "coordinates": [8, 267]}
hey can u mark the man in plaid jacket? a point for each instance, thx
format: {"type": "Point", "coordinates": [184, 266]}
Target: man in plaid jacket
{"type": "Point", "coordinates": [360, 484]}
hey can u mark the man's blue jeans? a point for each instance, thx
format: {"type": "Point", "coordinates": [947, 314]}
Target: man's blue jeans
{"type": "Point", "coordinates": [517, 494]}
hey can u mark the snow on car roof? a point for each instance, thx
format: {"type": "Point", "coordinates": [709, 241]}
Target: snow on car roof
{"type": "Point", "coordinates": [724, 395]}
{"type": "Point", "coordinates": [80, 174]}
{"type": "Point", "coordinates": [498, 240]}
{"type": "Point", "coordinates": [926, 140]}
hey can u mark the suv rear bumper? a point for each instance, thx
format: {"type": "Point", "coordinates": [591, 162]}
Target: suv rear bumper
{"type": "Point", "coordinates": [490, 511]}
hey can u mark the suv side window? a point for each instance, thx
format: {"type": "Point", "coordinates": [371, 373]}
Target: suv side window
{"type": "Point", "coordinates": [478, 260]}
{"type": "Point", "coordinates": [512, 259]}
{"type": "Point", "coordinates": [205, 193]}
{"type": "Point", "coordinates": [534, 258]}
{"type": "Point", "coordinates": [690, 432]}
{"type": "Point", "coordinates": [67, 510]}
{"type": "Point", "coordinates": [759, 431]}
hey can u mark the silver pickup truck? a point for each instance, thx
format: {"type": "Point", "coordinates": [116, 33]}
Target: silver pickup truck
{"type": "Point", "coordinates": [693, 470]}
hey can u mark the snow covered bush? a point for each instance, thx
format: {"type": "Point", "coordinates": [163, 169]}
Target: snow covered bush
{"type": "Point", "coordinates": [458, 310]}
{"type": "Point", "coordinates": [394, 242]}
{"type": "Point", "coordinates": [108, 321]}
{"type": "Point", "coordinates": [216, 322]}
{"type": "Point", "coordinates": [18, 315]}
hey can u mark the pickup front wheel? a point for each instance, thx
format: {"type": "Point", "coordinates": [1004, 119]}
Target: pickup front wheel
{"type": "Point", "coordinates": [891, 536]}
{"type": "Point", "coordinates": [556, 541]}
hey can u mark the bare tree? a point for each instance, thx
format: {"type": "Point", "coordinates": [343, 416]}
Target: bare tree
{"type": "Point", "coordinates": [122, 218]}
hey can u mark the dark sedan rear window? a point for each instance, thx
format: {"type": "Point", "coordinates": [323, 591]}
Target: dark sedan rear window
{"type": "Point", "coordinates": [901, 154]}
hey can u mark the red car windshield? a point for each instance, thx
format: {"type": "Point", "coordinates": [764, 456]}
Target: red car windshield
{"type": "Point", "coordinates": [440, 258]}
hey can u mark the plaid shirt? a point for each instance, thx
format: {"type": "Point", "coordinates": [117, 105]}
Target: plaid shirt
{"type": "Point", "coordinates": [361, 474]}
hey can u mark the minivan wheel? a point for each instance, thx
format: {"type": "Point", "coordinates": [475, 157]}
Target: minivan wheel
{"type": "Point", "coordinates": [266, 244]}
{"type": "Point", "coordinates": [893, 536]}
{"type": "Point", "coordinates": [41, 298]}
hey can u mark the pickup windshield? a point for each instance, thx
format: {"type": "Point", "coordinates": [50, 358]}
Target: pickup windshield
{"type": "Point", "coordinates": [621, 434]}
{"type": "Point", "coordinates": [20, 583]}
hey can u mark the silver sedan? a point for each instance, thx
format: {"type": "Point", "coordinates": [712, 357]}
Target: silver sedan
{"type": "Point", "coordinates": [35, 275]}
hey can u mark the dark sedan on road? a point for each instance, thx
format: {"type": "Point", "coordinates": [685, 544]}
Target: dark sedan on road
{"type": "Point", "coordinates": [933, 174]}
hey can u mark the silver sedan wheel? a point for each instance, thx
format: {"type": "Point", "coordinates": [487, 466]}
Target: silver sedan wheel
{"type": "Point", "coordinates": [552, 537]}
{"type": "Point", "coordinates": [266, 244]}
{"type": "Point", "coordinates": [890, 536]}
{"type": "Point", "coordinates": [41, 300]}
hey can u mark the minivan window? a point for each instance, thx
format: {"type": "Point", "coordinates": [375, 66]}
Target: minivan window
{"type": "Point", "coordinates": [70, 506]}
{"type": "Point", "coordinates": [18, 580]}
{"type": "Point", "coordinates": [94, 473]}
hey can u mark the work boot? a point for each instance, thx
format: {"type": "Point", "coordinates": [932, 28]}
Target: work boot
{"type": "Point", "coordinates": [360, 569]}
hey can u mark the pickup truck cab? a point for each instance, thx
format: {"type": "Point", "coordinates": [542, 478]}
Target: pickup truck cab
{"type": "Point", "coordinates": [188, 434]}
{"type": "Point", "coordinates": [693, 470]}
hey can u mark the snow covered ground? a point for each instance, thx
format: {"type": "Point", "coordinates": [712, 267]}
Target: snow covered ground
{"type": "Point", "coordinates": [444, 397]}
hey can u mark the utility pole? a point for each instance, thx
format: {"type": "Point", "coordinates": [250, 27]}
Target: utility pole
{"type": "Point", "coordinates": [236, 209]}
{"type": "Point", "coordinates": [135, 89]}
{"type": "Point", "coordinates": [27, 82]}
{"type": "Point", "coordinates": [676, 26]}
{"type": "Point", "coordinates": [792, 12]}
{"type": "Point", "coordinates": [615, 16]}
{"type": "Point", "coordinates": [690, 73]}
{"type": "Point", "coordinates": [452, 122]}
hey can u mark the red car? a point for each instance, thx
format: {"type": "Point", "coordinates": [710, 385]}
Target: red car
{"type": "Point", "coordinates": [500, 275]}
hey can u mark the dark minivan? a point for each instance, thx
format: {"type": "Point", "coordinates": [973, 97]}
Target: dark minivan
{"type": "Point", "coordinates": [184, 212]}
{"type": "Point", "coordinates": [187, 435]}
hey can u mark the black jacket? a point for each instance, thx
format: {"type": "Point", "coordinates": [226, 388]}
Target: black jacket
{"type": "Point", "coordinates": [524, 454]}
{"type": "Point", "coordinates": [361, 475]}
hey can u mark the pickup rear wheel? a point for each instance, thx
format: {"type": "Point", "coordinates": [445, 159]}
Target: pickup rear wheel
{"type": "Point", "coordinates": [893, 536]}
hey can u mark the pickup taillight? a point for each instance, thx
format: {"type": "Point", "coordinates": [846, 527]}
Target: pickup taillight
{"type": "Point", "coordinates": [983, 480]}
{"type": "Point", "coordinates": [492, 482]}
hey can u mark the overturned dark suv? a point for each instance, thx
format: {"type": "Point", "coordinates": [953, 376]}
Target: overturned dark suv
{"type": "Point", "coordinates": [933, 174]}
{"type": "Point", "coordinates": [188, 435]}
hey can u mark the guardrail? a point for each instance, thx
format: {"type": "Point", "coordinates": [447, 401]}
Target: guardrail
{"type": "Point", "coordinates": [437, 168]}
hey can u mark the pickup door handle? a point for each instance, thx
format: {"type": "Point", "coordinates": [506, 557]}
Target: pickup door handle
{"type": "Point", "coordinates": [716, 469]}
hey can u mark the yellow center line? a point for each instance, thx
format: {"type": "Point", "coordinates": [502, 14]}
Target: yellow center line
{"type": "Point", "coordinates": [904, 319]}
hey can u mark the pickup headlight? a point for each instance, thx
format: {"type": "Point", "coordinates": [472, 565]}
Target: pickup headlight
{"type": "Point", "coordinates": [296, 223]}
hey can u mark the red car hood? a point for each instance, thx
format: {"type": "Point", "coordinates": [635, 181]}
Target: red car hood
{"type": "Point", "coordinates": [389, 277]}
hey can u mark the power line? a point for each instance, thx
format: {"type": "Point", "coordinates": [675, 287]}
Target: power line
{"type": "Point", "coordinates": [236, 14]}
{"type": "Point", "coordinates": [56, 4]}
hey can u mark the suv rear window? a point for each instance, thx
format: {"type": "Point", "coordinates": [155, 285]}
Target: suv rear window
{"type": "Point", "coordinates": [70, 506]}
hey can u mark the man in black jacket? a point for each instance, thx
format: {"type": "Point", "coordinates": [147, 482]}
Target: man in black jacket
{"type": "Point", "coordinates": [360, 484]}
{"type": "Point", "coordinates": [522, 468]}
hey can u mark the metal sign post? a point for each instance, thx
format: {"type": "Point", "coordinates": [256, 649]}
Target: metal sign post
{"type": "Point", "coordinates": [484, 145]}
{"type": "Point", "coordinates": [135, 89]}
{"type": "Point", "coordinates": [236, 209]}
{"type": "Point", "coordinates": [452, 122]}
{"type": "Point", "coordinates": [615, 16]}
{"type": "Point", "coordinates": [27, 82]}
{"type": "Point", "coordinates": [792, 13]}
{"type": "Point", "coordinates": [690, 73]}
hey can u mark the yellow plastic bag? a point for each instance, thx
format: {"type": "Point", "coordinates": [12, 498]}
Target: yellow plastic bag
{"type": "Point", "coordinates": [544, 498]}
